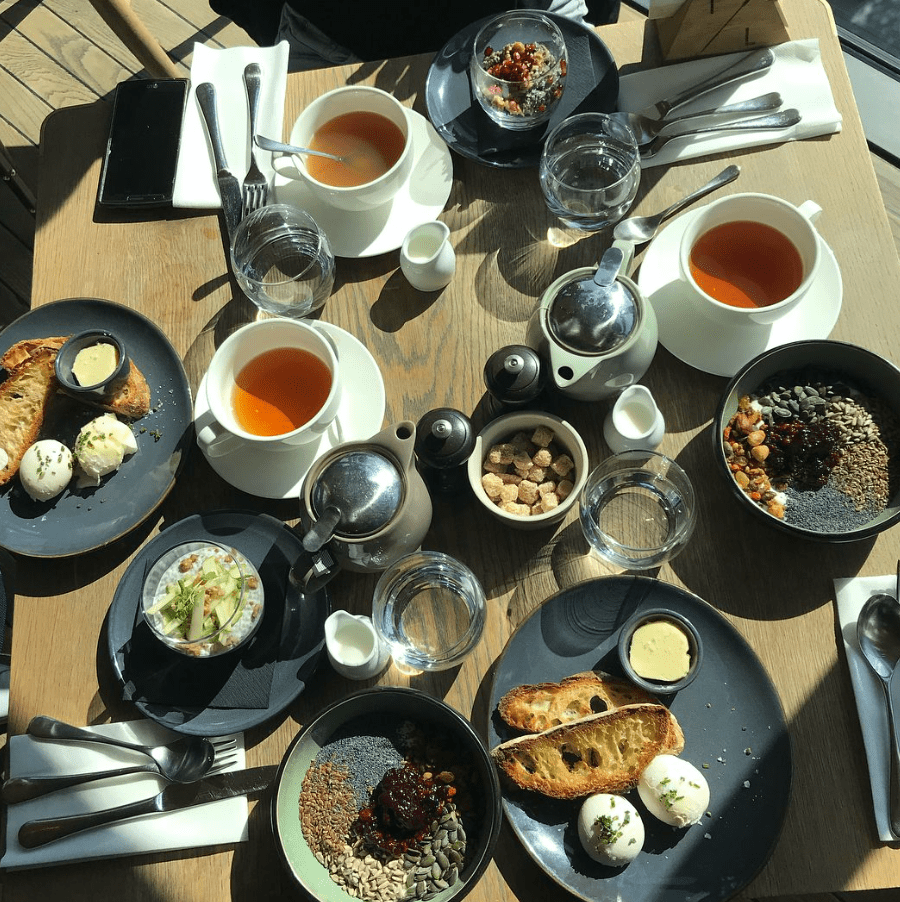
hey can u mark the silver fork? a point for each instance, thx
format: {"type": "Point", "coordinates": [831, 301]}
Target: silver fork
{"type": "Point", "coordinates": [21, 789]}
{"type": "Point", "coordinates": [256, 185]}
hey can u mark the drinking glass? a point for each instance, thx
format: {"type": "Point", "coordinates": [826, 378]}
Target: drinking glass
{"type": "Point", "coordinates": [637, 509]}
{"type": "Point", "coordinates": [590, 171]}
{"type": "Point", "coordinates": [282, 261]}
{"type": "Point", "coordinates": [430, 610]}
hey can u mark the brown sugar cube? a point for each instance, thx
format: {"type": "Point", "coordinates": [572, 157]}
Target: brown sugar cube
{"type": "Point", "coordinates": [522, 461]}
{"type": "Point", "coordinates": [528, 491]}
{"type": "Point", "coordinates": [521, 441]}
{"type": "Point", "coordinates": [520, 510]}
{"type": "Point", "coordinates": [545, 487]}
{"type": "Point", "coordinates": [562, 464]}
{"type": "Point", "coordinates": [501, 454]}
{"type": "Point", "coordinates": [542, 458]}
{"type": "Point", "coordinates": [510, 478]}
{"type": "Point", "coordinates": [564, 488]}
{"type": "Point", "coordinates": [549, 502]}
{"type": "Point", "coordinates": [491, 483]}
{"type": "Point", "coordinates": [489, 467]}
{"type": "Point", "coordinates": [536, 508]}
{"type": "Point", "coordinates": [537, 474]}
{"type": "Point", "coordinates": [508, 492]}
{"type": "Point", "coordinates": [542, 436]}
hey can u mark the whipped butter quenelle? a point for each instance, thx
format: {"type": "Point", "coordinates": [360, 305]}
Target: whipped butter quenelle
{"type": "Point", "coordinates": [660, 651]}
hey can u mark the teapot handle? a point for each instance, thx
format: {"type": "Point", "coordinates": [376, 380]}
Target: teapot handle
{"type": "Point", "coordinates": [627, 249]}
{"type": "Point", "coordinates": [313, 571]}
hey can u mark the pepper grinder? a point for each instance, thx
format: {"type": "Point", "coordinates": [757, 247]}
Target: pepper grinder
{"type": "Point", "coordinates": [444, 441]}
{"type": "Point", "coordinates": [514, 378]}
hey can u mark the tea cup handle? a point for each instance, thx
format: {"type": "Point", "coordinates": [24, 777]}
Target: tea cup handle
{"type": "Point", "coordinates": [810, 209]}
{"type": "Point", "coordinates": [215, 440]}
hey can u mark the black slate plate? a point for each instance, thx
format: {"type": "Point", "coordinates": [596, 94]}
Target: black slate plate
{"type": "Point", "coordinates": [592, 85]}
{"type": "Point", "coordinates": [734, 731]}
{"type": "Point", "coordinates": [288, 643]}
{"type": "Point", "coordinates": [82, 520]}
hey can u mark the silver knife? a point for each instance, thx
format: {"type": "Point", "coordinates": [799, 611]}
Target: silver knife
{"type": "Point", "coordinates": [751, 64]}
{"type": "Point", "coordinates": [229, 187]}
{"type": "Point", "coordinates": [175, 796]}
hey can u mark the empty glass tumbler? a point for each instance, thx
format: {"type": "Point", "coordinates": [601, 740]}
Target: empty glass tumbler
{"type": "Point", "coordinates": [282, 261]}
{"type": "Point", "coordinates": [590, 171]}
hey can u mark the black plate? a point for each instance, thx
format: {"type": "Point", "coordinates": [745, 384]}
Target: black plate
{"type": "Point", "coordinates": [592, 85]}
{"type": "Point", "coordinates": [734, 730]}
{"type": "Point", "coordinates": [288, 643]}
{"type": "Point", "coordinates": [82, 520]}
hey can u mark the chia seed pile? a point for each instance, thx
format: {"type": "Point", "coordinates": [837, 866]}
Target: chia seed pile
{"type": "Point", "coordinates": [815, 451]}
{"type": "Point", "coordinates": [378, 839]}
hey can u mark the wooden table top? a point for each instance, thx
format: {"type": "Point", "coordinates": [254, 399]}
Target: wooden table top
{"type": "Point", "coordinates": [431, 350]}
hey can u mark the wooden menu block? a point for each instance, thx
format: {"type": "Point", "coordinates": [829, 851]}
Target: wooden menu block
{"type": "Point", "coordinates": [711, 27]}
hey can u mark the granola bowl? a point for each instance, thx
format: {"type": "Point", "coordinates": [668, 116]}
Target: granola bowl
{"type": "Point", "coordinates": [807, 437]}
{"type": "Point", "coordinates": [528, 469]}
{"type": "Point", "coordinates": [349, 773]}
{"type": "Point", "coordinates": [202, 599]}
{"type": "Point", "coordinates": [518, 69]}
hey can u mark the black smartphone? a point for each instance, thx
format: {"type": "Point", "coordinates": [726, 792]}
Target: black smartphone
{"type": "Point", "coordinates": [144, 136]}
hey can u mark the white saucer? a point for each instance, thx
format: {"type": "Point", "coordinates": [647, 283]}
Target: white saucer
{"type": "Point", "coordinates": [371, 232]}
{"type": "Point", "coordinates": [280, 474]}
{"type": "Point", "coordinates": [688, 333]}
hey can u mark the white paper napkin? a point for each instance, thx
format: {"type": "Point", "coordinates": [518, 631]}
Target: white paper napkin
{"type": "Point", "coordinates": [224, 821]}
{"type": "Point", "coordinates": [195, 183]}
{"type": "Point", "coordinates": [797, 74]}
{"type": "Point", "coordinates": [850, 596]}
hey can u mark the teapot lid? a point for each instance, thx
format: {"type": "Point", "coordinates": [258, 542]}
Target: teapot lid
{"type": "Point", "coordinates": [597, 313]}
{"type": "Point", "coordinates": [364, 487]}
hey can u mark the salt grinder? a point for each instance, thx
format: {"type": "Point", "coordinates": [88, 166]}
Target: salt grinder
{"type": "Point", "coordinates": [444, 441]}
{"type": "Point", "coordinates": [514, 378]}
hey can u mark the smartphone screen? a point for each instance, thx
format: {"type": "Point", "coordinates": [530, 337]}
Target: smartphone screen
{"type": "Point", "coordinates": [142, 151]}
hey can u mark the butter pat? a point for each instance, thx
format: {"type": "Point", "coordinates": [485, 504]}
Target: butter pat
{"type": "Point", "coordinates": [660, 651]}
{"type": "Point", "coordinates": [95, 363]}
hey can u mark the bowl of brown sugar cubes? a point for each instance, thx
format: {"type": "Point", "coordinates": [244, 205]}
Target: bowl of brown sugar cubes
{"type": "Point", "coordinates": [528, 468]}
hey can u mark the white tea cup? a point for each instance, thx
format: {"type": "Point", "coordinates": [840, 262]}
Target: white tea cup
{"type": "Point", "coordinates": [265, 344]}
{"type": "Point", "coordinates": [729, 251]}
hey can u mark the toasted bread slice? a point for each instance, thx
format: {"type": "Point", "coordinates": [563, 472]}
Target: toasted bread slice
{"type": "Point", "coordinates": [538, 707]}
{"type": "Point", "coordinates": [131, 399]}
{"type": "Point", "coordinates": [24, 397]}
{"type": "Point", "coordinates": [602, 753]}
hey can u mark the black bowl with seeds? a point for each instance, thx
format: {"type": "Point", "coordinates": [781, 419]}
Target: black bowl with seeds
{"type": "Point", "coordinates": [389, 794]}
{"type": "Point", "coordinates": [807, 436]}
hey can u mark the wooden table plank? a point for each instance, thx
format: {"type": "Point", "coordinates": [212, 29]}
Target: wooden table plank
{"type": "Point", "coordinates": [431, 351]}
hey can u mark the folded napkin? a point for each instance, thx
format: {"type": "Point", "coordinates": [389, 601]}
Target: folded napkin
{"type": "Point", "coordinates": [224, 821]}
{"type": "Point", "coordinates": [851, 595]}
{"type": "Point", "coordinates": [797, 74]}
{"type": "Point", "coordinates": [195, 183]}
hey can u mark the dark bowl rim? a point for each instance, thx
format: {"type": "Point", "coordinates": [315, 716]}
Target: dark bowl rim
{"type": "Point", "coordinates": [857, 535]}
{"type": "Point", "coordinates": [493, 811]}
{"type": "Point", "coordinates": [695, 645]}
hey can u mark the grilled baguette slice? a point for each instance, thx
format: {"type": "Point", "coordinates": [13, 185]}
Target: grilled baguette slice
{"type": "Point", "coordinates": [24, 397]}
{"type": "Point", "coordinates": [131, 399]}
{"type": "Point", "coordinates": [602, 753]}
{"type": "Point", "coordinates": [538, 707]}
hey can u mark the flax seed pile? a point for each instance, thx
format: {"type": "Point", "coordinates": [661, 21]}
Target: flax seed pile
{"type": "Point", "coordinates": [815, 451]}
{"type": "Point", "coordinates": [374, 845]}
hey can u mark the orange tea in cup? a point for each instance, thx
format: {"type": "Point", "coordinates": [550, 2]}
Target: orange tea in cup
{"type": "Point", "coordinates": [369, 143]}
{"type": "Point", "coordinates": [280, 391]}
{"type": "Point", "coordinates": [746, 264]}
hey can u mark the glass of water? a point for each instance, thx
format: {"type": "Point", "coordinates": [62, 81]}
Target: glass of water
{"type": "Point", "coordinates": [637, 509]}
{"type": "Point", "coordinates": [590, 171]}
{"type": "Point", "coordinates": [282, 261]}
{"type": "Point", "coordinates": [430, 610]}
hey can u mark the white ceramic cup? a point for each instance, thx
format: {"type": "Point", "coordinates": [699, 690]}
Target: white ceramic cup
{"type": "Point", "coordinates": [351, 99]}
{"type": "Point", "coordinates": [225, 434]}
{"type": "Point", "coordinates": [795, 223]}
{"type": "Point", "coordinates": [427, 258]}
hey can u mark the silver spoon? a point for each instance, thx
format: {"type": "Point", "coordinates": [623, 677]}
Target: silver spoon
{"type": "Point", "coordinates": [639, 229]}
{"type": "Point", "coordinates": [278, 147]}
{"type": "Point", "coordinates": [646, 129]}
{"type": "Point", "coordinates": [878, 633]}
